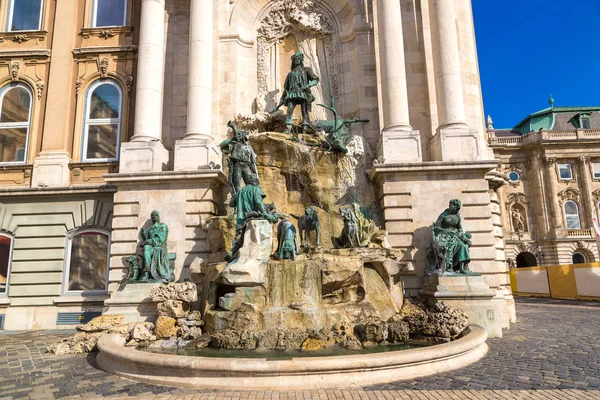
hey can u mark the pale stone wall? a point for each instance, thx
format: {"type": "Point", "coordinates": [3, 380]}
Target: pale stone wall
{"type": "Point", "coordinates": [39, 226]}
{"type": "Point", "coordinates": [542, 194]}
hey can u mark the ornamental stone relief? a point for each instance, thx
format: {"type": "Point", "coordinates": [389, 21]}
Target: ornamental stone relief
{"type": "Point", "coordinates": [569, 194]}
{"type": "Point", "coordinates": [314, 36]}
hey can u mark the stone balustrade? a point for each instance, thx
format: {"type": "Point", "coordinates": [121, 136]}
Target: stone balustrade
{"type": "Point", "coordinates": [579, 233]}
{"type": "Point", "coordinates": [540, 136]}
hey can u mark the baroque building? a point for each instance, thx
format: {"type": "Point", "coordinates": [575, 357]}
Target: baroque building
{"type": "Point", "coordinates": [552, 160]}
{"type": "Point", "coordinates": [111, 109]}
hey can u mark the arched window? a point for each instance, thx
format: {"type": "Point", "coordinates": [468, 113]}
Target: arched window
{"type": "Point", "coordinates": [15, 120]}
{"type": "Point", "coordinates": [24, 15]}
{"type": "Point", "coordinates": [6, 243]}
{"type": "Point", "coordinates": [87, 261]}
{"type": "Point", "coordinates": [109, 13]}
{"type": "Point", "coordinates": [572, 215]}
{"type": "Point", "coordinates": [102, 129]}
{"type": "Point", "coordinates": [578, 258]}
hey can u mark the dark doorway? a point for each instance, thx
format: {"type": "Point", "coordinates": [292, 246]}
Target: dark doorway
{"type": "Point", "coordinates": [526, 259]}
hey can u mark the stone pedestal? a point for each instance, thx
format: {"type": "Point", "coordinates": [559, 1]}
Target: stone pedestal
{"type": "Point", "coordinates": [249, 268]}
{"type": "Point", "coordinates": [456, 145]}
{"type": "Point", "coordinates": [194, 154]}
{"type": "Point", "coordinates": [400, 146]}
{"type": "Point", "coordinates": [471, 294]}
{"type": "Point", "coordinates": [143, 157]}
{"type": "Point", "coordinates": [133, 302]}
{"type": "Point", "coordinates": [51, 169]}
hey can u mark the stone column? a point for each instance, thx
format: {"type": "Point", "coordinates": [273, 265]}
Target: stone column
{"type": "Point", "coordinates": [145, 152]}
{"type": "Point", "coordinates": [51, 166]}
{"type": "Point", "coordinates": [197, 149]}
{"type": "Point", "coordinates": [399, 143]}
{"type": "Point", "coordinates": [588, 201]}
{"type": "Point", "coordinates": [556, 215]}
{"type": "Point", "coordinates": [454, 141]}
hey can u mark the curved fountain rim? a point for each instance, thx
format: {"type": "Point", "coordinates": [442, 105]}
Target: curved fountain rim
{"type": "Point", "coordinates": [262, 374]}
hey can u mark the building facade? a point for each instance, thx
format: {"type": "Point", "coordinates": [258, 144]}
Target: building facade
{"type": "Point", "coordinates": [552, 159]}
{"type": "Point", "coordinates": [111, 109]}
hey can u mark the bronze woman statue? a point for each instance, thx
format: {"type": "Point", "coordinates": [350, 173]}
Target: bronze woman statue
{"type": "Point", "coordinates": [449, 252]}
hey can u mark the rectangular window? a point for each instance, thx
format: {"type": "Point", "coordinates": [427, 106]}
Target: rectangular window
{"type": "Point", "coordinates": [25, 15]}
{"type": "Point", "coordinates": [565, 172]}
{"type": "Point", "coordinates": [586, 123]}
{"type": "Point", "coordinates": [109, 13]}
{"type": "Point", "coordinates": [88, 262]}
{"type": "Point", "coordinates": [596, 170]}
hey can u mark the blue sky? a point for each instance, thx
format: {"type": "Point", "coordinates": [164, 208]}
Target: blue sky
{"type": "Point", "coordinates": [529, 49]}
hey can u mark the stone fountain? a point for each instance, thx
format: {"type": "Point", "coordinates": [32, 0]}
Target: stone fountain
{"type": "Point", "coordinates": [339, 284]}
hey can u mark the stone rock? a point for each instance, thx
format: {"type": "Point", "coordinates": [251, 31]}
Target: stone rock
{"type": "Point", "coordinates": [101, 323]}
{"type": "Point", "coordinates": [313, 344]}
{"type": "Point", "coordinates": [248, 268]}
{"type": "Point", "coordinates": [183, 291]}
{"type": "Point", "coordinates": [350, 343]}
{"type": "Point", "coordinates": [372, 330]}
{"type": "Point", "coordinates": [173, 309]}
{"type": "Point", "coordinates": [123, 330]}
{"type": "Point", "coordinates": [165, 327]}
{"type": "Point", "coordinates": [281, 339]}
{"type": "Point", "coordinates": [233, 339]}
{"type": "Point", "coordinates": [195, 316]}
{"type": "Point", "coordinates": [131, 343]}
{"type": "Point", "coordinates": [245, 317]}
{"type": "Point", "coordinates": [141, 331]}
{"type": "Point", "coordinates": [79, 343]}
{"type": "Point", "coordinates": [442, 321]}
{"type": "Point", "coordinates": [446, 322]}
{"type": "Point", "coordinates": [183, 331]}
{"type": "Point", "coordinates": [398, 332]}
{"type": "Point", "coordinates": [199, 343]}
{"type": "Point", "coordinates": [410, 308]}
{"type": "Point", "coordinates": [189, 323]}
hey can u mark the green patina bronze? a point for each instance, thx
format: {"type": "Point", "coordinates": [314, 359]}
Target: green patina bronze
{"type": "Point", "coordinates": [296, 91]}
{"type": "Point", "coordinates": [449, 251]}
{"type": "Point", "coordinates": [287, 245]}
{"type": "Point", "coordinates": [249, 204]}
{"type": "Point", "coordinates": [157, 262]}
{"type": "Point", "coordinates": [242, 158]}
{"type": "Point", "coordinates": [337, 132]}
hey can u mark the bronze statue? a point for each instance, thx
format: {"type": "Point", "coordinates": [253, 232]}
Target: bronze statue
{"type": "Point", "coordinates": [242, 159]}
{"type": "Point", "coordinates": [156, 259]}
{"type": "Point", "coordinates": [307, 223]}
{"type": "Point", "coordinates": [449, 251]}
{"type": "Point", "coordinates": [249, 204]}
{"type": "Point", "coordinates": [350, 236]}
{"type": "Point", "coordinates": [337, 132]}
{"type": "Point", "coordinates": [296, 91]}
{"type": "Point", "coordinates": [287, 246]}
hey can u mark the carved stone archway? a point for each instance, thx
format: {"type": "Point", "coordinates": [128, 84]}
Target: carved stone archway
{"type": "Point", "coordinates": [316, 37]}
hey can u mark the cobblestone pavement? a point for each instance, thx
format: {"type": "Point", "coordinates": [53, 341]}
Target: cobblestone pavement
{"type": "Point", "coordinates": [553, 352]}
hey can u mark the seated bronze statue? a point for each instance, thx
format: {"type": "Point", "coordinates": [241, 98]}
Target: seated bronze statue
{"type": "Point", "coordinates": [449, 251]}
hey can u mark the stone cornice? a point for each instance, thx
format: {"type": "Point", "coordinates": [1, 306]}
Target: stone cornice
{"type": "Point", "coordinates": [215, 175]}
{"type": "Point", "coordinates": [84, 51]}
{"type": "Point", "coordinates": [437, 167]}
{"type": "Point", "coordinates": [57, 191]}
{"type": "Point", "coordinates": [30, 53]}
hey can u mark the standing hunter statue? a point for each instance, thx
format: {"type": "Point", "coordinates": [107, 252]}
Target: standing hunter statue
{"type": "Point", "coordinates": [296, 91]}
{"type": "Point", "coordinates": [242, 159]}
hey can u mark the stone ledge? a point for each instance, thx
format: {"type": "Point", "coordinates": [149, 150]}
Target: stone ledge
{"type": "Point", "coordinates": [167, 176]}
{"type": "Point", "coordinates": [294, 374]}
{"type": "Point", "coordinates": [4, 301]}
{"type": "Point", "coordinates": [438, 167]}
{"type": "Point", "coordinates": [75, 300]}
{"type": "Point", "coordinates": [67, 190]}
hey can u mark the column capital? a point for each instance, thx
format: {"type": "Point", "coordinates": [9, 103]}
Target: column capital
{"type": "Point", "coordinates": [584, 160]}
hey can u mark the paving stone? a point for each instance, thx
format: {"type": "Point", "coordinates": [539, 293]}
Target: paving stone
{"type": "Point", "coordinates": [555, 345]}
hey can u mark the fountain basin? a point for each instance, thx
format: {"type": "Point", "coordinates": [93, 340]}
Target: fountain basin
{"type": "Point", "coordinates": [303, 373]}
